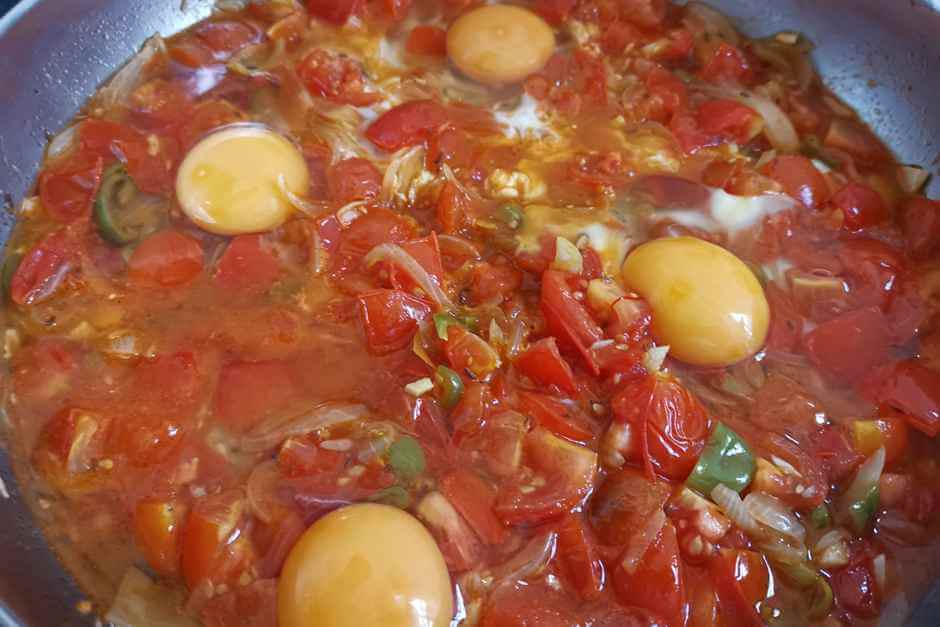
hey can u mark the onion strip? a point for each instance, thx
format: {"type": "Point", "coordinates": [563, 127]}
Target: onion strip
{"type": "Point", "coordinates": [777, 125]}
{"type": "Point", "coordinates": [393, 253]}
{"type": "Point", "coordinates": [325, 415]}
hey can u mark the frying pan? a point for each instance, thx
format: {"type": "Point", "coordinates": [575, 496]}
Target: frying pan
{"type": "Point", "coordinates": [881, 56]}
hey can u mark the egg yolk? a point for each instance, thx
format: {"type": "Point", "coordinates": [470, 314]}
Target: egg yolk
{"type": "Point", "coordinates": [499, 43]}
{"type": "Point", "coordinates": [707, 304]}
{"type": "Point", "coordinates": [365, 564]}
{"type": "Point", "coordinates": [231, 181]}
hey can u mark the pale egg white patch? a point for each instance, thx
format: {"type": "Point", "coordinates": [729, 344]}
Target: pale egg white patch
{"type": "Point", "coordinates": [724, 212]}
{"type": "Point", "coordinates": [525, 121]}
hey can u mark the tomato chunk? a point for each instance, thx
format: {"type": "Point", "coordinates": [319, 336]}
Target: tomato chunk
{"type": "Point", "coordinates": [741, 578]}
{"type": "Point", "coordinates": [567, 318]}
{"type": "Point", "coordinates": [166, 259]}
{"type": "Point", "coordinates": [68, 188]}
{"type": "Point", "coordinates": [335, 77]}
{"type": "Point", "coordinates": [850, 345]}
{"type": "Point", "coordinates": [248, 264]}
{"type": "Point", "coordinates": [390, 319]}
{"type": "Point", "coordinates": [911, 388]}
{"type": "Point", "coordinates": [656, 584]}
{"type": "Point", "coordinates": [353, 179]}
{"type": "Point", "coordinates": [799, 179]}
{"type": "Point", "coordinates": [579, 557]}
{"type": "Point", "coordinates": [473, 498]}
{"type": "Point", "coordinates": [157, 533]}
{"type": "Point", "coordinates": [861, 206]}
{"type": "Point", "coordinates": [43, 269]}
{"type": "Point", "coordinates": [544, 364]}
{"type": "Point", "coordinates": [427, 40]}
{"type": "Point", "coordinates": [334, 11]}
{"type": "Point", "coordinates": [211, 546]}
{"type": "Point", "coordinates": [407, 124]}
{"type": "Point", "coordinates": [729, 119]}
{"type": "Point", "coordinates": [248, 392]}
{"type": "Point", "coordinates": [559, 418]}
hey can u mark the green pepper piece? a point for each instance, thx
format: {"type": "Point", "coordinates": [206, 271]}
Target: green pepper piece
{"type": "Point", "coordinates": [406, 457]}
{"type": "Point", "coordinates": [122, 213]}
{"type": "Point", "coordinates": [820, 517]}
{"type": "Point", "coordinates": [469, 321]}
{"type": "Point", "coordinates": [442, 321]}
{"type": "Point", "coordinates": [395, 495]}
{"type": "Point", "coordinates": [726, 459]}
{"type": "Point", "coordinates": [9, 269]}
{"type": "Point", "coordinates": [512, 215]}
{"type": "Point", "coordinates": [861, 510]}
{"type": "Point", "coordinates": [451, 386]}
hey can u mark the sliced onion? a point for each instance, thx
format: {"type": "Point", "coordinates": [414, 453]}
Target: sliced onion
{"type": "Point", "coordinates": [832, 549]}
{"type": "Point", "coordinates": [530, 560]}
{"type": "Point", "coordinates": [777, 125]}
{"type": "Point", "coordinates": [81, 452]}
{"type": "Point", "coordinates": [305, 206]}
{"type": "Point", "coordinates": [654, 357]}
{"type": "Point", "coordinates": [140, 601]}
{"type": "Point", "coordinates": [734, 508]}
{"type": "Point", "coordinates": [405, 167]}
{"type": "Point", "coordinates": [63, 142]}
{"type": "Point", "coordinates": [866, 478]}
{"type": "Point", "coordinates": [713, 23]}
{"type": "Point", "coordinates": [393, 253]}
{"type": "Point", "coordinates": [639, 543]}
{"type": "Point", "coordinates": [770, 511]}
{"type": "Point", "coordinates": [260, 490]}
{"type": "Point", "coordinates": [128, 77]}
{"type": "Point", "coordinates": [879, 567]}
{"type": "Point", "coordinates": [911, 178]}
{"type": "Point", "coordinates": [454, 246]}
{"type": "Point", "coordinates": [269, 435]}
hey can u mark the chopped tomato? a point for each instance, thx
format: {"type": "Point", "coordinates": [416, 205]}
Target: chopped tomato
{"type": "Point", "coordinates": [657, 583]}
{"type": "Point", "coordinates": [44, 370]}
{"type": "Point", "coordinates": [191, 52]}
{"type": "Point", "coordinates": [334, 11]}
{"type": "Point", "coordinates": [160, 104]}
{"type": "Point", "coordinates": [474, 498]}
{"type": "Point", "coordinates": [855, 589]}
{"type": "Point", "coordinates": [407, 124]}
{"type": "Point", "coordinates": [224, 37]}
{"type": "Point", "coordinates": [111, 140]}
{"type": "Point", "coordinates": [397, 9]}
{"type": "Point", "coordinates": [850, 345]}
{"type": "Point", "coordinates": [554, 11]}
{"type": "Point", "coordinates": [544, 364]}
{"type": "Point", "coordinates": [911, 388]}
{"type": "Point", "coordinates": [669, 89]}
{"type": "Point", "coordinates": [497, 442]}
{"type": "Point", "coordinates": [559, 418]}
{"type": "Point", "coordinates": [68, 188]}
{"type": "Point", "coordinates": [578, 557]}
{"type": "Point", "coordinates": [861, 206]}
{"type": "Point", "coordinates": [571, 81]}
{"type": "Point", "coordinates": [568, 469]}
{"type": "Point", "coordinates": [467, 352]}
{"type": "Point", "coordinates": [800, 179]}
{"type": "Point", "coordinates": [669, 422]}
{"type": "Point", "coordinates": [521, 604]}
{"type": "Point", "coordinates": [449, 145]}
{"type": "Point", "coordinates": [690, 137]}
{"type": "Point", "coordinates": [836, 455]}
{"type": "Point", "coordinates": [454, 208]}
{"type": "Point", "coordinates": [44, 268]}
{"type": "Point", "coordinates": [920, 220]}
{"type": "Point", "coordinates": [166, 259]}
{"type": "Point", "coordinates": [157, 533]}
{"type": "Point", "coordinates": [212, 547]}
{"type": "Point", "coordinates": [335, 77]}
{"type": "Point", "coordinates": [647, 14]}
{"type": "Point", "coordinates": [728, 65]}
{"type": "Point", "coordinates": [856, 139]}
{"type": "Point", "coordinates": [494, 281]}
{"type": "Point", "coordinates": [624, 503]}
{"type": "Point", "coordinates": [786, 323]}
{"type": "Point", "coordinates": [874, 270]}
{"type": "Point", "coordinates": [248, 263]}
{"type": "Point", "coordinates": [378, 226]}
{"type": "Point", "coordinates": [390, 319]}
{"type": "Point", "coordinates": [729, 119]}
{"type": "Point", "coordinates": [427, 252]}
{"type": "Point", "coordinates": [298, 458]}
{"type": "Point", "coordinates": [567, 319]}
{"type": "Point", "coordinates": [69, 443]}
{"type": "Point", "coordinates": [741, 578]}
{"type": "Point", "coordinates": [353, 179]}
{"type": "Point", "coordinates": [248, 392]}
{"type": "Point", "coordinates": [467, 417]}
{"type": "Point", "coordinates": [145, 440]}
{"type": "Point", "coordinates": [427, 40]}
{"type": "Point", "coordinates": [207, 116]}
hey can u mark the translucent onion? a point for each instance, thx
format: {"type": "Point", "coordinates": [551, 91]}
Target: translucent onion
{"type": "Point", "coordinates": [140, 601]}
{"type": "Point", "coordinates": [879, 567]}
{"type": "Point", "coordinates": [393, 253]}
{"type": "Point", "coordinates": [866, 478]}
{"type": "Point", "coordinates": [405, 167]}
{"type": "Point", "coordinates": [777, 125]}
{"type": "Point", "coordinates": [63, 142]}
{"type": "Point", "coordinates": [311, 209]}
{"type": "Point", "coordinates": [771, 512]}
{"type": "Point", "coordinates": [451, 245]}
{"type": "Point", "coordinates": [260, 488]}
{"type": "Point", "coordinates": [641, 542]}
{"type": "Point", "coordinates": [128, 77]}
{"type": "Point", "coordinates": [530, 560]}
{"type": "Point", "coordinates": [270, 434]}
{"type": "Point", "coordinates": [732, 505]}
{"type": "Point", "coordinates": [911, 178]}
{"type": "Point", "coordinates": [712, 22]}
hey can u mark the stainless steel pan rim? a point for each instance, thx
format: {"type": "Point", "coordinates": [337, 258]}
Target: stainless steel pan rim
{"type": "Point", "coordinates": [881, 56]}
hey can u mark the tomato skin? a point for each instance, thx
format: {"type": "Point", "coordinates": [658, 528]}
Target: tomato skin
{"type": "Point", "coordinates": [657, 583]}
{"type": "Point", "coordinates": [166, 259]}
{"type": "Point", "coordinates": [874, 270]}
{"type": "Point", "coordinates": [473, 498]}
{"type": "Point", "coordinates": [160, 105]}
{"type": "Point", "coordinates": [157, 534]}
{"type": "Point", "coordinates": [855, 589]}
{"type": "Point", "coordinates": [379, 226]}
{"type": "Point", "coordinates": [850, 345]}
{"type": "Point", "coordinates": [454, 209]}
{"type": "Point", "coordinates": [334, 77]}
{"type": "Point", "coordinates": [920, 221]}
{"type": "Point", "coordinates": [671, 424]}
{"type": "Point", "coordinates": [428, 41]}
{"type": "Point", "coordinates": [555, 416]}
{"type": "Point", "coordinates": [567, 319]}
{"type": "Point", "coordinates": [579, 558]}
{"type": "Point", "coordinates": [494, 281]}
{"type": "Point", "coordinates": [334, 11]}
{"type": "Point", "coordinates": [43, 269]}
{"type": "Point", "coordinates": [68, 188]}
{"type": "Point", "coordinates": [544, 364]}
{"type": "Point", "coordinates": [225, 37]}
{"type": "Point", "coordinates": [407, 124]}
{"type": "Point", "coordinates": [861, 206]}
{"type": "Point", "coordinates": [247, 264]}
{"type": "Point", "coordinates": [800, 179]}
{"type": "Point", "coordinates": [390, 319]}
{"type": "Point", "coordinates": [554, 11]}
{"type": "Point", "coordinates": [669, 89]}
{"type": "Point", "coordinates": [911, 388]}
{"type": "Point", "coordinates": [729, 119]}
{"type": "Point", "coordinates": [467, 352]}
{"type": "Point", "coordinates": [741, 579]}
{"type": "Point", "coordinates": [211, 548]}
{"type": "Point", "coordinates": [353, 179]}
{"type": "Point", "coordinates": [114, 141]}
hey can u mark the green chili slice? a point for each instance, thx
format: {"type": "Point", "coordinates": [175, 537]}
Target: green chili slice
{"type": "Point", "coordinates": [123, 214]}
{"type": "Point", "coordinates": [395, 496]}
{"type": "Point", "coordinates": [860, 511]}
{"type": "Point", "coordinates": [820, 598]}
{"type": "Point", "coordinates": [512, 215]}
{"type": "Point", "coordinates": [726, 459]}
{"type": "Point", "coordinates": [406, 457]}
{"type": "Point", "coordinates": [442, 322]}
{"type": "Point", "coordinates": [820, 517]}
{"type": "Point", "coordinates": [450, 385]}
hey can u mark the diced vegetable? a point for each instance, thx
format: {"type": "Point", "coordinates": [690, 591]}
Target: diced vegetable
{"type": "Point", "coordinates": [861, 498]}
{"type": "Point", "coordinates": [406, 457]}
{"type": "Point", "coordinates": [458, 543]}
{"type": "Point", "coordinates": [123, 214]}
{"type": "Point", "coordinates": [395, 496]}
{"type": "Point", "coordinates": [726, 459]}
{"type": "Point", "coordinates": [420, 386]}
{"type": "Point", "coordinates": [820, 517]}
{"type": "Point", "coordinates": [450, 385]}
{"type": "Point", "coordinates": [512, 215]}
{"type": "Point", "coordinates": [567, 257]}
